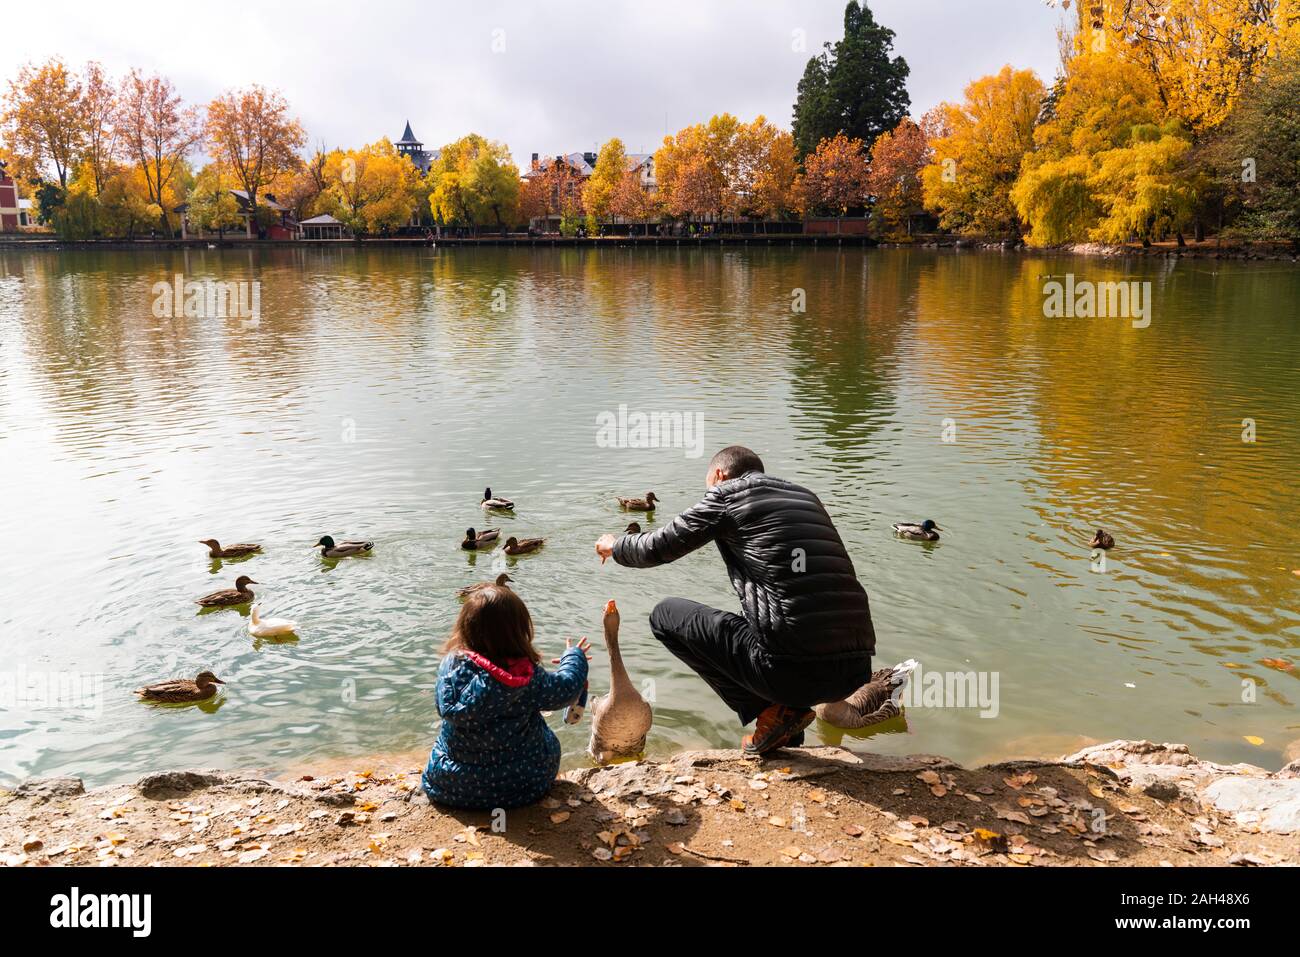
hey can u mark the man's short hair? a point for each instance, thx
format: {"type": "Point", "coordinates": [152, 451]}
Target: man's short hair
{"type": "Point", "coordinates": [735, 460]}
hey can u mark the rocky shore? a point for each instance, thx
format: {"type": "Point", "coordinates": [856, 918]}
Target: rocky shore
{"type": "Point", "coordinates": [1122, 803]}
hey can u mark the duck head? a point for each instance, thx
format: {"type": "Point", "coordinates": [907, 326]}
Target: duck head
{"type": "Point", "coordinates": [651, 498]}
{"type": "Point", "coordinates": [243, 581]}
{"type": "Point", "coordinates": [503, 578]}
{"type": "Point", "coordinates": [326, 541]}
{"type": "Point", "coordinates": [470, 535]}
{"type": "Point", "coordinates": [207, 678]}
{"type": "Point", "coordinates": [487, 494]}
{"type": "Point", "coordinates": [511, 542]}
{"type": "Point", "coordinates": [929, 526]}
{"type": "Point", "coordinates": [633, 528]}
{"type": "Point", "coordinates": [214, 546]}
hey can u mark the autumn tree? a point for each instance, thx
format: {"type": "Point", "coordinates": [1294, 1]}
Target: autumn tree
{"type": "Point", "coordinates": [212, 208]}
{"type": "Point", "coordinates": [632, 201]}
{"type": "Point", "coordinates": [474, 181]}
{"type": "Point", "coordinates": [835, 176]}
{"type": "Point", "coordinates": [976, 159]}
{"type": "Point", "coordinates": [853, 87]}
{"type": "Point", "coordinates": [157, 131]}
{"type": "Point", "coordinates": [775, 172]}
{"type": "Point", "coordinates": [251, 133]}
{"type": "Point", "coordinates": [369, 189]}
{"type": "Point", "coordinates": [98, 117]}
{"type": "Point", "coordinates": [611, 169]}
{"type": "Point", "coordinates": [43, 120]}
{"type": "Point", "coordinates": [894, 179]}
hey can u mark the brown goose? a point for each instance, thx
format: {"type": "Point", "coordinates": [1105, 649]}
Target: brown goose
{"type": "Point", "coordinates": [230, 551]}
{"type": "Point", "coordinates": [621, 719]}
{"type": "Point", "coordinates": [479, 586]}
{"type": "Point", "coordinates": [182, 689]}
{"type": "Point", "coordinates": [646, 504]}
{"type": "Point", "coordinates": [875, 702]}
{"type": "Point", "coordinates": [522, 546]}
{"type": "Point", "coordinates": [241, 594]}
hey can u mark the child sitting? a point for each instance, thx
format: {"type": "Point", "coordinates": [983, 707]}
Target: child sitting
{"type": "Point", "coordinates": [494, 749]}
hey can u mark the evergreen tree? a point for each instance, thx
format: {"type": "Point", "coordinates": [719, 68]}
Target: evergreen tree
{"type": "Point", "coordinates": [854, 87]}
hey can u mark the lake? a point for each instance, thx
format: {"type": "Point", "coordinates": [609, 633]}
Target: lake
{"type": "Point", "coordinates": [382, 389]}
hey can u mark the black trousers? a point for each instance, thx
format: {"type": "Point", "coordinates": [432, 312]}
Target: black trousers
{"type": "Point", "coordinates": [724, 650]}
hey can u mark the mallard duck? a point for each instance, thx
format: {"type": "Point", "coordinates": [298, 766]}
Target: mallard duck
{"type": "Point", "coordinates": [621, 719]}
{"type": "Point", "coordinates": [475, 539]}
{"type": "Point", "coordinates": [182, 689]}
{"type": "Point", "coordinates": [492, 501]}
{"type": "Point", "coordinates": [522, 546]}
{"type": "Point", "coordinates": [874, 702]}
{"type": "Point", "coordinates": [1103, 540]}
{"type": "Point", "coordinates": [260, 627]}
{"type": "Point", "coordinates": [927, 531]}
{"type": "Point", "coordinates": [230, 551]}
{"type": "Point", "coordinates": [479, 586]}
{"type": "Point", "coordinates": [633, 528]}
{"type": "Point", "coordinates": [646, 504]}
{"type": "Point", "coordinates": [241, 594]}
{"type": "Point", "coordinates": [331, 549]}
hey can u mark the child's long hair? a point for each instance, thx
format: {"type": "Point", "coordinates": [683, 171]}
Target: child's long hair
{"type": "Point", "coordinates": [494, 623]}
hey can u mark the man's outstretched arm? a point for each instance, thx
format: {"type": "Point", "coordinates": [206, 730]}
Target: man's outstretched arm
{"type": "Point", "coordinates": [696, 526]}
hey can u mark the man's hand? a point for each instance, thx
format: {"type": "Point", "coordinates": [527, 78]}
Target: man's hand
{"type": "Point", "coordinates": [605, 547]}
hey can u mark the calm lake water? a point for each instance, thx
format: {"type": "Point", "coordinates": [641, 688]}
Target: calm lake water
{"type": "Point", "coordinates": [381, 392]}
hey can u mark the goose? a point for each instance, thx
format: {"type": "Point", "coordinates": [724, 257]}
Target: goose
{"type": "Point", "coordinates": [621, 719]}
{"type": "Point", "coordinates": [874, 702]}
{"type": "Point", "coordinates": [181, 689]}
{"type": "Point", "coordinates": [330, 549]}
{"type": "Point", "coordinates": [241, 594]}
{"type": "Point", "coordinates": [230, 551]}
{"type": "Point", "coordinates": [479, 586]}
{"type": "Point", "coordinates": [475, 539]}
{"type": "Point", "coordinates": [522, 546]}
{"type": "Point", "coordinates": [492, 501]}
{"type": "Point", "coordinates": [927, 531]}
{"type": "Point", "coordinates": [260, 627]}
{"type": "Point", "coordinates": [1103, 540]}
{"type": "Point", "coordinates": [646, 504]}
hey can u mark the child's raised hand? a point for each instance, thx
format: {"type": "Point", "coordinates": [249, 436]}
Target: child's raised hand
{"type": "Point", "coordinates": [583, 645]}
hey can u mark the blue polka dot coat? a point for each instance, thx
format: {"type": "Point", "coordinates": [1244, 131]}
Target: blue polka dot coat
{"type": "Point", "coordinates": [494, 749]}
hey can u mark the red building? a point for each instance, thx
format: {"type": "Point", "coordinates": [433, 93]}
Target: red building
{"type": "Point", "coordinates": [8, 202]}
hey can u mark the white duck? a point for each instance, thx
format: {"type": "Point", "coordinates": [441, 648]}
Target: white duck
{"type": "Point", "coordinates": [621, 719]}
{"type": "Point", "coordinates": [260, 627]}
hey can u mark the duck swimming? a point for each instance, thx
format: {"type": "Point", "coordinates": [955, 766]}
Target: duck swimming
{"type": "Point", "coordinates": [646, 504]}
{"type": "Point", "coordinates": [492, 501]}
{"type": "Point", "coordinates": [875, 702]}
{"type": "Point", "coordinates": [182, 689]}
{"type": "Point", "coordinates": [241, 594]}
{"type": "Point", "coordinates": [927, 531]}
{"type": "Point", "coordinates": [479, 586]}
{"type": "Point", "coordinates": [475, 539]}
{"type": "Point", "coordinates": [1103, 540]}
{"type": "Point", "coordinates": [621, 719]}
{"type": "Point", "coordinates": [331, 549]}
{"type": "Point", "coordinates": [522, 546]}
{"type": "Point", "coordinates": [230, 551]}
{"type": "Point", "coordinates": [260, 627]}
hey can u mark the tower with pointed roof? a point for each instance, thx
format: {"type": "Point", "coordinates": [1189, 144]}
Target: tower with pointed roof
{"type": "Point", "coordinates": [414, 150]}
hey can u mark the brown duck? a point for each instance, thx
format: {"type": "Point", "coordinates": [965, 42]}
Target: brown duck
{"type": "Point", "coordinates": [522, 546]}
{"type": "Point", "coordinates": [1103, 540]}
{"type": "Point", "coordinates": [646, 504]}
{"type": "Point", "coordinates": [479, 586]}
{"type": "Point", "coordinates": [633, 528]}
{"type": "Point", "coordinates": [875, 702]}
{"type": "Point", "coordinates": [241, 594]}
{"type": "Point", "coordinates": [182, 689]}
{"type": "Point", "coordinates": [230, 551]}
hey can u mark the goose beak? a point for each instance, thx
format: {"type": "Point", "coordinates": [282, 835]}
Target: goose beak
{"type": "Point", "coordinates": [610, 607]}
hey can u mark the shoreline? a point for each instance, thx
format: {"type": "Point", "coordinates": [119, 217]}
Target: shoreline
{"type": "Point", "coordinates": [1274, 251]}
{"type": "Point", "coordinates": [1124, 803]}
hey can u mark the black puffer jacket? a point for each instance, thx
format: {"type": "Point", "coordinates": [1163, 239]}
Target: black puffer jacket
{"type": "Point", "coordinates": [805, 604]}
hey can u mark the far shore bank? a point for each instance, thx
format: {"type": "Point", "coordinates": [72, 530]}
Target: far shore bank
{"type": "Point", "coordinates": [1279, 251]}
{"type": "Point", "coordinates": [1125, 803]}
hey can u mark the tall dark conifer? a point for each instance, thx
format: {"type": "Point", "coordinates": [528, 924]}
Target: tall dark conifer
{"type": "Point", "coordinates": [855, 86]}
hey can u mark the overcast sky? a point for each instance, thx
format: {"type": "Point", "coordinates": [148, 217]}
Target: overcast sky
{"type": "Point", "coordinates": [545, 76]}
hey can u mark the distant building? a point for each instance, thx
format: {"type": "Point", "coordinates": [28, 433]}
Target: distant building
{"type": "Point", "coordinates": [10, 211]}
{"type": "Point", "coordinates": [414, 150]}
{"type": "Point", "coordinates": [584, 164]}
{"type": "Point", "coordinates": [323, 227]}
{"type": "Point", "coordinates": [285, 228]}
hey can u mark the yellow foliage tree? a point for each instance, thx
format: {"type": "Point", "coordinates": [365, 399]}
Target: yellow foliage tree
{"type": "Point", "coordinates": [369, 189]}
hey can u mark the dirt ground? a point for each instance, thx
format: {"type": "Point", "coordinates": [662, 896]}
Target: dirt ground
{"type": "Point", "coordinates": [807, 807]}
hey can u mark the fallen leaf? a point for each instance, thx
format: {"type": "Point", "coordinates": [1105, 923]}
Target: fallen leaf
{"type": "Point", "coordinates": [559, 817]}
{"type": "Point", "coordinates": [1253, 739]}
{"type": "Point", "coordinates": [249, 857]}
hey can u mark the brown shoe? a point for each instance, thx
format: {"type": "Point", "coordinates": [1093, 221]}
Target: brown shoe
{"type": "Point", "coordinates": [775, 727]}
